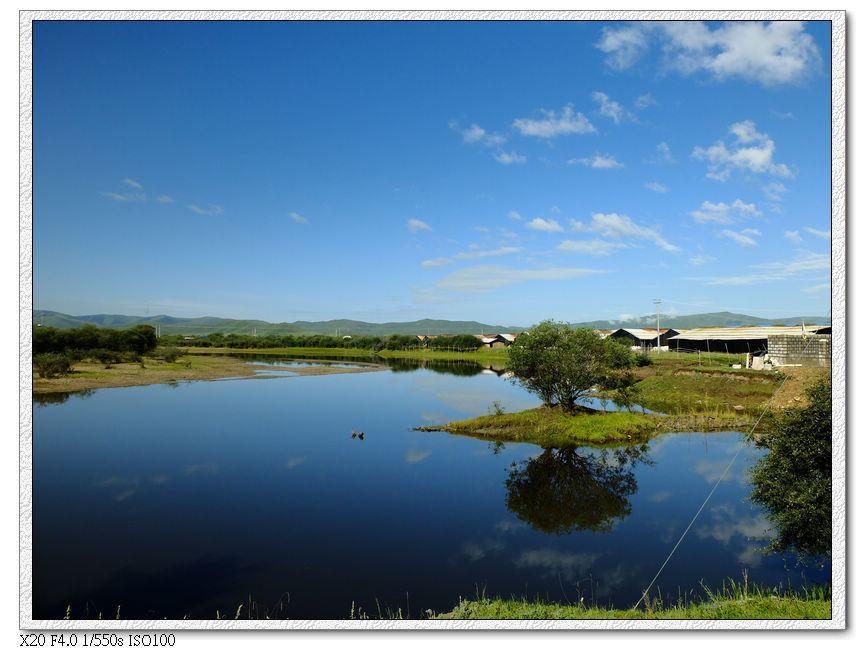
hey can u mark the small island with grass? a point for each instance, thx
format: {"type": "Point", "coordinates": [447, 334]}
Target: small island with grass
{"type": "Point", "coordinates": [563, 366]}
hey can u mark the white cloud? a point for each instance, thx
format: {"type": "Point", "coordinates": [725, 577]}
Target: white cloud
{"type": "Point", "coordinates": [480, 228]}
{"type": "Point", "coordinates": [438, 261]}
{"type": "Point", "coordinates": [296, 217]}
{"type": "Point", "coordinates": [544, 225]}
{"type": "Point", "coordinates": [624, 46]}
{"type": "Point", "coordinates": [164, 199]}
{"type": "Point", "coordinates": [126, 196]}
{"type": "Point", "coordinates": [756, 158]}
{"type": "Point", "coordinates": [663, 154]}
{"type": "Point", "coordinates": [752, 231]}
{"type": "Point", "coordinates": [770, 53]}
{"type": "Point", "coordinates": [212, 211]}
{"type": "Point", "coordinates": [442, 261]}
{"type": "Point", "coordinates": [610, 108]}
{"type": "Point", "coordinates": [825, 234]}
{"type": "Point", "coordinates": [553, 125]}
{"type": "Point", "coordinates": [783, 116]}
{"type": "Point", "coordinates": [622, 227]}
{"type": "Point", "coordinates": [593, 247]}
{"type": "Point", "coordinates": [606, 161]}
{"type": "Point", "coordinates": [476, 135]}
{"type": "Point", "coordinates": [742, 240]}
{"type": "Point", "coordinates": [556, 209]}
{"type": "Point", "coordinates": [774, 190]}
{"type": "Point", "coordinates": [702, 259]}
{"type": "Point", "coordinates": [657, 187]}
{"type": "Point", "coordinates": [722, 213]}
{"type": "Point", "coordinates": [132, 183]}
{"type": "Point", "coordinates": [804, 262]}
{"type": "Point", "coordinates": [513, 214]}
{"type": "Point", "coordinates": [644, 101]}
{"type": "Point", "coordinates": [509, 158]}
{"type": "Point", "coordinates": [416, 225]}
{"type": "Point", "coordinates": [793, 236]}
{"type": "Point", "coordinates": [817, 288]}
{"type": "Point", "coordinates": [483, 278]}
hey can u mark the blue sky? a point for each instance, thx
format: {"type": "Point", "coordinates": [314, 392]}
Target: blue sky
{"type": "Point", "coordinates": [505, 172]}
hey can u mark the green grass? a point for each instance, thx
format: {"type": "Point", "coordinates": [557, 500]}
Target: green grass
{"type": "Point", "coordinates": [551, 426]}
{"type": "Point", "coordinates": [677, 390]}
{"type": "Point", "coordinates": [732, 602]}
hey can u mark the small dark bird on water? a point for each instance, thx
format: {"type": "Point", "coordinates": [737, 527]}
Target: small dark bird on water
{"type": "Point", "coordinates": [353, 434]}
{"type": "Point", "coordinates": [360, 435]}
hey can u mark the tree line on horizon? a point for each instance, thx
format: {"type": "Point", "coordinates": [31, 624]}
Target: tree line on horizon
{"type": "Point", "coordinates": [458, 342]}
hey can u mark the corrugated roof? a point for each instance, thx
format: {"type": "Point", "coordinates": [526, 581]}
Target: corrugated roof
{"type": "Point", "coordinates": [735, 333]}
{"type": "Point", "coordinates": [642, 334]}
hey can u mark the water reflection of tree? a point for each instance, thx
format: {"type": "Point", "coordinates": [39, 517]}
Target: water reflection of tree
{"type": "Point", "coordinates": [458, 367]}
{"type": "Point", "coordinates": [44, 399]}
{"type": "Point", "coordinates": [563, 490]}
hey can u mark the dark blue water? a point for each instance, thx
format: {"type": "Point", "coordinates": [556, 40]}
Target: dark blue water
{"type": "Point", "coordinates": [171, 501]}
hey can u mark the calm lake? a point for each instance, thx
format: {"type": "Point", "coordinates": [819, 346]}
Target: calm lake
{"type": "Point", "coordinates": [173, 500]}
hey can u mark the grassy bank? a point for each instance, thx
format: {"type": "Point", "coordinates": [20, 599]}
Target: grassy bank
{"type": "Point", "coordinates": [733, 602]}
{"type": "Point", "coordinates": [552, 427]}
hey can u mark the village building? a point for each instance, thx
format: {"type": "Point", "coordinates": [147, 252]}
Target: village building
{"type": "Point", "coordinates": [644, 338]}
{"type": "Point", "coordinates": [752, 340]}
{"type": "Point", "coordinates": [496, 340]}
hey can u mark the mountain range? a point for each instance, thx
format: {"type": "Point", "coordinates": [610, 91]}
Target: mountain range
{"type": "Point", "coordinates": [211, 324]}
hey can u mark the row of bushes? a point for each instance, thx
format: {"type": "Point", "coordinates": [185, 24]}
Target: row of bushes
{"type": "Point", "coordinates": [139, 339]}
{"type": "Point", "coordinates": [461, 342]}
{"type": "Point", "coordinates": [57, 364]}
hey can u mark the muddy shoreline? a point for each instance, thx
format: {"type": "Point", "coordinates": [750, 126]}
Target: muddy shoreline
{"type": "Point", "coordinates": [89, 376]}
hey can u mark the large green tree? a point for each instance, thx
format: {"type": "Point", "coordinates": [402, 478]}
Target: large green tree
{"type": "Point", "coordinates": [561, 364]}
{"type": "Point", "coordinates": [793, 481]}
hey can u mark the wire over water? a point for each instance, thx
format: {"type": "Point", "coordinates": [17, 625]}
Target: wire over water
{"type": "Point", "coordinates": [718, 482]}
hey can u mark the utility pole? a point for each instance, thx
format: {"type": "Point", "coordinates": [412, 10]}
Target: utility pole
{"type": "Point", "coordinates": [657, 302]}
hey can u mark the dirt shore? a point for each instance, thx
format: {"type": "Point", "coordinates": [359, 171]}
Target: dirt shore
{"type": "Point", "coordinates": [792, 392]}
{"type": "Point", "coordinates": [87, 376]}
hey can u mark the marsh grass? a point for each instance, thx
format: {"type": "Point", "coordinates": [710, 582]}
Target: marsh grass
{"type": "Point", "coordinates": [552, 426]}
{"type": "Point", "coordinates": [733, 601]}
{"type": "Point", "coordinates": [678, 390]}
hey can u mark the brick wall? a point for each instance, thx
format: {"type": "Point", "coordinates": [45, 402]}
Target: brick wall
{"type": "Point", "coordinates": [814, 350]}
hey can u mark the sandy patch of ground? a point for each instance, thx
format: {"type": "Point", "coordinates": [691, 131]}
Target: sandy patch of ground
{"type": "Point", "coordinates": [792, 393]}
{"type": "Point", "coordinates": [89, 376]}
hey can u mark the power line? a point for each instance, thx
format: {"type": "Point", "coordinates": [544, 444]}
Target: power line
{"type": "Point", "coordinates": [721, 478]}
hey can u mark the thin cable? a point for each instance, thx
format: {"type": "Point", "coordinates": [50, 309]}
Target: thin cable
{"type": "Point", "coordinates": [718, 482]}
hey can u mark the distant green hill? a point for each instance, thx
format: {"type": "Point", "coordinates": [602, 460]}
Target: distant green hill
{"type": "Point", "coordinates": [211, 324]}
{"type": "Point", "coordinates": [168, 324]}
{"type": "Point", "coordinates": [715, 319]}
{"type": "Point", "coordinates": [424, 326]}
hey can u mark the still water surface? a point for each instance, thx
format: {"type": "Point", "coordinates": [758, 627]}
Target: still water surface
{"type": "Point", "coordinates": [187, 499]}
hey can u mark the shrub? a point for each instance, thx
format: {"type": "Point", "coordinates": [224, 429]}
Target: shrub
{"type": "Point", "coordinates": [794, 480]}
{"type": "Point", "coordinates": [104, 356]}
{"type": "Point", "coordinates": [170, 354]}
{"type": "Point", "coordinates": [51, 364]}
